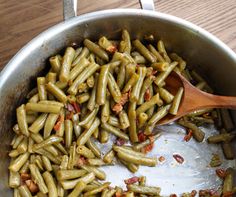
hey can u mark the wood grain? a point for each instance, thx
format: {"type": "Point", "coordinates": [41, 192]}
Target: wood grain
{"type": "Point", "coordinates": [20, 21]}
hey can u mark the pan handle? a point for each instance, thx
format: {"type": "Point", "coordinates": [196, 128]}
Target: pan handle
{"type": "Point", "coordinates": [70, 7]}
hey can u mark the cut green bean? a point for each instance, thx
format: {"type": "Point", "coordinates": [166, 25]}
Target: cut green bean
{"type": "Point", "coordinates": [125, 44]}
{"type": "Point", "coordinates": [144, 189]}
{"type": "Point", "coordinates": [225, 137]}
{"type": "Point", "coordinates": [78, 68]}
{"type": "Point", "coordinates": [156, 53]}
{"type": "Point", "coordinates": [44, 108]}
{"type": "Point", "coordinates": [132, 81]}
{"type": "Point", "coordinates": [113, 88]}
{"type": "Point", "coordinates": [105, 113]}
{"type": "Point", "coordinates": [176, 101]}
{"type": "Point", "coordinates": [16, 165]}
{"type": "Point", "coordinates": [48, 141]}
{"type": "Point", "coordinates": [121, 75]}
{"type": "Point", "coordinates": [91, 102]}
{"type": "Point", "coordinates": [97, 190]}
{"type": "Point", "coordinates": [41, 81]}
{"type": "Point", "coordinates": [84, 151]}
{"type": "Point", "coordinates": [166, 95]}
{"type": "Point", "coordinates": [93, 147]}
{"type": "Point", "coordinates": [68, 133]}
{"type": "Point", "coordinates": [49, 124]}
{"type": "Point", "coordinates": [21, 120]}
{"type": "Point", "coordinates": [114, 131]}
{"type": "Point", "coordinates": [89, 117]}
{"type": "Point", "coordinates": [46, 163]}
{"type": "Point", "coordinates": [24, 191]}
{"type": "Point", "coordinates": [124, 120]}
{"type": "Point", "coordinates": [228, 181]}
{"type": "Point", "coordinates": [109, 156]}
{"type": "Point", "coordinates": [83, 54]}
{"type": "Point", "coordinates": [98, 173]}
{"type": "Point", "coordinates": [52, 188]}
{"type": "Point", "coordinates": [132, 120]}
{"type": "Point", "coordinates": [142, 119]}
{"type": "Point", "coordinates": [55, 64]}
{"type": "Point", "coordinates": [57, 92]}
{"type": "Point", "coordinates": [14, 179]}
{"type": "Point", "coordinates": [80, 186]}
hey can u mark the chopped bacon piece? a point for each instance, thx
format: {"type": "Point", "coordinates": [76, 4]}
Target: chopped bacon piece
{"type": "Point", "coordinates": [119, 106]}
{"type": "Point", "coordinates": [228, 194]}
{"type": "Point", "coordinates": [178, 158]}
{"type": "Point", "coordinates": [147, 95]}
{"type": "Point", "coordinates": [81, 161]}
{"type": "Point", "coordinates": [112, 48]}
{"type": "Point", "coordinates": [70, 107]}
{"type": "Point", "coordinates": [221, 173]}
{"type": "Point", "coordinates": [118, 194]}
{"type": "Point", "coordinates": [173, 195]}
{"type": "Point", "coordinates": [148, 148]}
{"type": "Point", "coordinates": [24, 176]}
{"type": "Point", "coordinates": [131, 180]}
{"type": "Point", "coordinates": [120, 142]}
{"type": "Point", "coordinates": [69, 116]}
{"type": "Point", "coordinates": [188, 136]}
{"type": "Point", "coordinates": [59, 122]}
{"type": "Point", "coordinates": [76, 107]}
{"type": "Point", "coordinates": [193, 193]}
{"type": "Point", "coordinates": [32, 186]}
{"type": "Point", "coordinates": [161, 159]}
{"type": "Point", "coordinates": [142, 137]}
{"type": "Point", "coordinates": [154, 72]}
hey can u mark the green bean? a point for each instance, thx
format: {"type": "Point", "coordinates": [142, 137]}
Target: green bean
{"type": "Point", "coordinates": [34, 99]}
{"type": "Point", "coordinates": [16, 129]}
{"type": "Point", "coordinates": [72, 157]}
{"type": "Point", "coordinates": [106, 44]}
{"type": "Point", "coordinates": [84, 151]}
{"type": "Point", "coordinates": [16, 165]}
{"type": "Point", "coordinates": [37, 177]}
{"type": "Point", "coordinates": [25, 167]}
{"type": "Point", "coordinates": [147, 105]}
{"type": "Point", "coordinates": [61, 148]}
{"type": "Point", "coordinates": [162, 51]}
{"type": "Point", "coordinates": [105, 112]}
{"type": "Point", "coordinates": [132, 120]}
{"type": "Point", "coordinates": [176, 101]}
{"type": "Point", "coordinates": [39, 139]}
{"type": "Point", "coordinates": [82, 77]}
{"type": "Point", "coordinates": [97, 50]}
{"type": "Point", "coordinates": [30, 118]}
{"type": "Point", "coordinates": [92, 146]}
{"type": "Point", "coordinates": [95, 162]}
{"type": "Point", "coordinates": [228, 150]}
{"type": "Point", "coordinates": [82, 98]}
{"type": "Point", "coordinates": [163, 75]}
{"type": "Point", "coordinates": [49, 124]}
{"type": "Point", "coordinates": [199, 112]}
{"type": "Point", "coordinates": [68, 133]}
{"type": "Point", "coordinates": [91, 58]}
{"type": "Point", "coordinates": [83, 87]}
{"type": "Point", "coordinates": [226, 119]}
{"type": "Point", "coordinates": [48, 141]}
{"type": "Point", "coordinates": [83, 138]}
{"type": "Point", "coordinates": [21, 120]}
{"type": "Point", "coordinates": [125, 44]}
{"type": "Point", "coordinates": [14, 179]}
{"type": "Point", "coordinates": [46, 163]}
{"type": "Point", "coordinates": [141, 145]}
{"type": "Point", "coordinates": [90, 81]}
{"type": "Point", "coordinates": [198, 134]}
{"type": "Point", "coordinates": [52, 103]}
{"type": "Point", "coordinates": [201, 85]}
{"type": "Point", "coordinates": [72, 183]}
{"type": "Point", "coordinates": [13, 153]}
{"type": "Point", "coordinates": [84, 53]}
{"type": "Point", "coordinates": [41, 81]}
{"type": "Point", "coordinates": [122, 57]}
{"type": "Point", "coordinates": [38, 161]}
{"type": "Point", "coordinates": [89, 117]}
{"type": "Point", "coordinates": [144, 51]}
{"type": "Point", "coordinates": [142, 119]}
{"type": "Point", "coordinates": [137, 159]}
{"type": "Point", "coordinates": [16, 192]}
{"type": "Point", "coordinates": [129, 194]}
{"type": "Point", "coordinates": [55, 64]}
{"type": "Point", "coordinates": [51, 77]}
{"type": "Point", "coordinates": [24, 191]}
{"type": "Point", "coordinates": [44, 108]}
{"type": "Point", "coordinates": [132, 81]}
{"type": "Point", "coordinates": [162, 112]}
{"type": "Point", "coordinates": [61, 85]}
{"type": "Point", "coordinates": [69, 174]}
{"type": "Point", "coordinates": [23, 146]}
{"type": "Point", "coordinates": [131, 167]}
{"type": "Point", "coordinates": [77, 52]}
{"type": "Point", "coordinates": [144, 189]}
{"type": "Point", "coordinates": [121, 75]}
{"type": "Point", "coordinates": [114, 131]}
{"type": "Point", "coordinates": [57, 92]}
{"type": "Point", "coordinates": [104, 136]}
{"type": "Point", "coordinates": [135, 93]}
{"type": "Point", "coordinates": [114, 121]}
{"type": "Point", "coordinates": [228, 181]}
{"type": "Point", "coordinates": [98, 173]}
{"type": "Point", "coordinates": [146, 84]}
{"type": "Point", "coordinates": [78, 68]}
{"type": "Point", "coordinates": [64, 163]}
{"type": "Point", "coordinates": [156, 53]}
{"type": "Point", "coordinates": [181, 62]}
{"type": "Point", "coordinates": [17, 141]}
{"type": "Point", "coordinates": [129, 71]}
{"type": "Point", "coordinates": [91, 102]}
{"type": "Point", "coordinates": [80, 186]}
{"type": "Point", "coordinates": [124, 120]}
{"type": "Point", "coordinates": [160, 66]}
{"type": "Point", "coordinates": [165, 95]}
{"type": "Point", "coordinates": [139, 59]}
{"type": "Point", "coordinates": [109, 156]}
{"type": "Point", "coordinates": [66, 64]}
{"type": "Point", "coordinates": [97, 190]}
{"type": "Point", "coordinates": [52, 188]}
{"type": "Point", "coordinates": [113, 88]}
{"type": "Point", "coordinates": [49, 155]}
{"type": "Point", "coordinates": [151, 110]}
{"type": "Point", "coordinates": [225, 137]}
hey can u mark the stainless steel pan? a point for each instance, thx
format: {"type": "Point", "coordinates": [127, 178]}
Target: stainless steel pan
{"type": "Point", "coordinates": [201, 49]}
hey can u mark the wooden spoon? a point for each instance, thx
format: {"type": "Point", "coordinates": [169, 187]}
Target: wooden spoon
{"type": "Point", "coordinates": [193, 99]}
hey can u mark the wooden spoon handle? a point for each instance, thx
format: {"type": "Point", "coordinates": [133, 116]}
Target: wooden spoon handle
{"type": "Point", "coordinates": [216, 101]}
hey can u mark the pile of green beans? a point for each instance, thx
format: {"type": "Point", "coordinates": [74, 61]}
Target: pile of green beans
{"type": "Point", "coordinates": [94, 91]}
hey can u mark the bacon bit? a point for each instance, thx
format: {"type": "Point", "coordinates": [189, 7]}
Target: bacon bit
{"type": "Point", "coordinates": [148, 148]}
{"type": "Point", "coordinates": [117, 108]}
{"type": "Point", "coordinates": [137, 65]}
{"type": "Point", "coordinates": [228, 194]}
{"type": "Point", "coordinates": [188, 136]}
{"type": "Point", "coordinates": [178, 158]}
{"type": "Point", "coordinates": [69, 116]}
{"type": "Point", "coordinates": [173, 195]}
{"type": "Point", "coordinates": [81, 161]}
{"type": "Point", "coordinates": [211, 192]}
{"type": "Point", "coordinates": [193, 193]}
{"type": "Point", "coordinates": [142, 137]}
{"type": "Point", "coordinates": [120, 142]}
{"type": "Point", "coordinates": [24, 177]}
{"type": "Point", "coordinates": [147, 95]}
{"type": "Point", "coordinates": [131, 180]}
{"type": "Point", "coordinates": [60, 120]}
{"type": "Point", "coordinates": [76, 107]}
{"type": "Point", "coordinates": [151, 138]}
{"type": "Point", "coordinates": [32, 186]}
{"type": "Point", "coordinates": [70, 107]}
{"type": "Point", "coordinates": [221, 173]}
{"type": "Point", "coordinates": [154, 72]}
{"type": "Point", "coordinates": [118, 194]}
{"type": "Point", "coordinates": [112, 49]}
{"type": "Point", "coordinates": [161, 159]}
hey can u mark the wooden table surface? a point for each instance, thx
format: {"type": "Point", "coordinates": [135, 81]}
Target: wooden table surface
{"type": "Point", "coordinates": [21, 20]}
